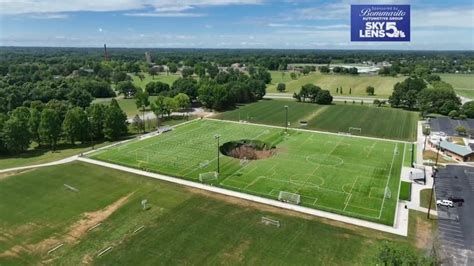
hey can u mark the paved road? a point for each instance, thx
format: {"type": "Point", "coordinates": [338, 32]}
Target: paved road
{"type": "Point", "coordinates": [455, 227]}
{"type": "Point", "coordinates": [335, 98]}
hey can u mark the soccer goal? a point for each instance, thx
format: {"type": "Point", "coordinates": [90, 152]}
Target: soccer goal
{"type": "Point", "coordinates": [387, 193]}
{"type": "Point", "coordinates": [355, 130]}
{"type": "Point", "coordinates": [270, 221]}
{"type": "Point", "coordinates": [209, 176]}
{"type": "Point", "coordinates": [289, 197]}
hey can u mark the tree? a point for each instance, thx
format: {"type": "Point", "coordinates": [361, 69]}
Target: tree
{"type": "Point", "coordinates": [126, 88]}
{"type": "Point", "coordinates": [370, 90]}
{"type": "Point", "coordinates": [405, 93]}
{"type": "Point", "coordinates": [153, 72]}
{"type": "Point", "coordinates": [263, 75]}
{"type": "Point", "coordinates": [212, 70]}
{"type": "Point", "coordinates": [76, 125]}
{"type": "Point", "coordinates": [323, 97]}
{"type": "Point", "coordinates": [187, 86]}
{"type": "Point", "coordinates": [306, 70]}
{"type": "Point", "coordinates": [96, 113]}
{"type": "Point", "coordinates": [138, 123]}
{"type": "Point", "coordinates": [33, 124]}
{"type": "Point", "coordinates": [281, 87]}
{"type": "Point", "coordinates": [172, 67]}
{"type": "Point", "coordinates": [187, 72]}
{"type": "Point", "coordinates": [453, 114]}
{"type": "Point", "coordinates": [142, 102]}
{"type": "Point", "coordinates": [200, 70]}
{"type": "Point", "coordinates": [120, 76]}
{"type": "Point", "coordinates": [461, 130]}
{"type": "Point", "coordinates": [79, 97]}
{"type": "Point", "coordinates": [426, 132]}
{"type": "Point", "coordinates": [324, 69]}
{"type": "Point", "coordinates": [15, 134]}
{"type": "Point", "coordinates": [440, 101]}
{"type": "Point", "coordinates": [50, 127]}
{"type": "Point", "coordinates": [115, 123]}
{"type": "Point", "coordinates": [293, 75]}
{"type": "Point", "coordinates": [182, 101]}
{"type": "Point", "coordinates": [468, 109]}
{"type": "Point", "coordinates": [157, 87]}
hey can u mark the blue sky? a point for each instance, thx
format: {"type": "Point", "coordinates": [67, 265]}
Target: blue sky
{"type": "Point", "coordinates": [281, 24]}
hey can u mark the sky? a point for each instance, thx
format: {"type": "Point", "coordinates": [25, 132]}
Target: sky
{"type": "Point", "coordinates": [275, 24]}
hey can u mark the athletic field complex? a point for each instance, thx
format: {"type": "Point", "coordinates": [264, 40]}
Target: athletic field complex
{"type": "Point", "coordinates": [348, 175]}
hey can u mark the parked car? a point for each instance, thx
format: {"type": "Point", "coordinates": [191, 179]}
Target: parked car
{"type": "Point", "coordinates": [446, 203]}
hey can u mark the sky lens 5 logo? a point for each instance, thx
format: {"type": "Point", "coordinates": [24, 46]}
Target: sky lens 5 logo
{"type": "Point", "coordinates": [375, 23]}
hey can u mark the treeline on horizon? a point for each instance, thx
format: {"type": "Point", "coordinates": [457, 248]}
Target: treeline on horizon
{"type": "Point", "coordinates": [404, 62]}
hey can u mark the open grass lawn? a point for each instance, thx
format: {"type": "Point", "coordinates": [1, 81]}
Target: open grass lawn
{"type": "Point", "coordinates": [405, 191]}
{"type": "Point", "coordinates": [339, 174]}
{"type": "Point", "coordinates": [373, 121]}
{"type": "Point", "coordinates": [425, 199]}
{"type": "Point", "coordinates": [383, 85]}
{"type": "Point", "coordinates": [463, 83]}
{"type": "Point", "coordinates": [128, 105]}
{"type": "Point", "coordinates": [44, 155]}
{"type": "Point", "coordinates": [170, 78]}
{"type": "Point", "coordinates": [182, 226]}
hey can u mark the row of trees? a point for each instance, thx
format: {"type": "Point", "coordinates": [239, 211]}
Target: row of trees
{"type": "Point", "coordinates": [314, 94]}
{"type": "Point", "coordinates": [47, 124]}
{"type": "Point", "coordinates": [413, 93]}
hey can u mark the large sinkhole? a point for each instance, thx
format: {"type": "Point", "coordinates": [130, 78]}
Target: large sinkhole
{"type": "Point", "coordinates": [248, 149]}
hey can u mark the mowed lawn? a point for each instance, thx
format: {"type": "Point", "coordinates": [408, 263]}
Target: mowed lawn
{"type": "Point", "coordinates": [383, 85]}
{"type": "Point", "coordinates": [381, 122]}
{"type": "Point", "coordinates": [182, 226]}
{"type": "Point", "coordinates": [166, 78]}
{"type": "Point", "coordinates": [463, 83]}
{"type": "Point", "coordinates": [346, 175]}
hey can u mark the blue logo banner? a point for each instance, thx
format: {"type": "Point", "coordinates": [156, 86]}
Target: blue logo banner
{"type": "Point", "coordinates": [380, 23]}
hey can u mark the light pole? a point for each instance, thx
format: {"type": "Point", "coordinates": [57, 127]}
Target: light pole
{"type": "Point", "coordinates": [217, 136]}
{"type": "Point", "coordinates": [286, 120]}
{"type": "Point", "coordinates": [435, 171]}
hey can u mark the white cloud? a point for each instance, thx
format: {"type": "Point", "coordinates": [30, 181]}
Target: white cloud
{"type": "Point", "coordinates": [172, 14]}
{"type": "Point", "coordinates": [316, 27]}
{"type": "Point", "coordinates": [15, 7]}
{"type": "Point", "coordinates": [49, 16]}
{"type": "Point", "coordinates": [449, 17]}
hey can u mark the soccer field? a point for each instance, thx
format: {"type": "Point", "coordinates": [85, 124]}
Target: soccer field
{"type": "Point", "coordinates": [380, 122]}
{"type": "Point", "coordinates": [351, 176]}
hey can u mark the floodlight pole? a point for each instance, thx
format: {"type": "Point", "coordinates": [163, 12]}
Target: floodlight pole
{"type": "Point", "coordinates": [435, 170]}
{"type": "Point", "coordinates": [286, 120]}
{"type": "Point", "coordinates": [218, 153]}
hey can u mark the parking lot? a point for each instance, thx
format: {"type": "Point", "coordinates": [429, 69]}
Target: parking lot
{"type": "Point", "coordinates": [455, 225]}
{"type": "Point", "coordinates": [448, 125]}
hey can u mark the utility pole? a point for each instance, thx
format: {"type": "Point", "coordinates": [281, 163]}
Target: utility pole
{"type": "Point", "coordinates": [286, 120]}
{"type": "Point", "coordinates": [435, 171]}
{"type": "Point", "coordinates": [217, 137]}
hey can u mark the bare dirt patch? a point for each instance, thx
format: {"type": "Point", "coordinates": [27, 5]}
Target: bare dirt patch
{"type": "Point", "coordinates": [248, 149]}
{"type": "Point", "coordinates": [236, 254]}
{"type": "Point", "coordinates": [13, 173]}
{"type": "Point", "coordinates": [74, 232]}
{"type": "Point", "coordinates": [424, 233]}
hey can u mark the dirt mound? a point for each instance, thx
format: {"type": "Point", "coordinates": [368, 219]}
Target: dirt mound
{"type": "Point", "coordinates": [248, 149]}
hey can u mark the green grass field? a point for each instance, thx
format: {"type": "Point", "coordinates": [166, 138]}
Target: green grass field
{"type": "Point", "coordinates": [463, 83]}
{"type": "Point", "coordinates": [374, 121]}
{"type": "Point", "coordinates": [182, 226]}
{"type": "Point", "coordinates": [170, 78]}
{"type": "Point", "coordinates": [334, 173]}
{"type": "Point", "coordinates": [383, 85]}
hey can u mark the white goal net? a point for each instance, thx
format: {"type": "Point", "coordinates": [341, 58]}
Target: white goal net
{"type": "Point", "coordinates": [270, 221]}
{"type": "Point", "coordinates": [209, 176]}
{"type": "Point", "coordinates": [355, 130]}
{"type": "Point", "coordinates": [289, 197]}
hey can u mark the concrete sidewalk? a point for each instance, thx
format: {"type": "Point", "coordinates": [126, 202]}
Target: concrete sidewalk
{"type": "Point", "coordinates": [400, 227]}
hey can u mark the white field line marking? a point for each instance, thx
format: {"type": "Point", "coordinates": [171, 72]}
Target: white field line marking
{"type": "Point", "coordinates": [350, 193]}
{"type": "Point", "coordinates": [388, 179]}
{"type": "Point", "coordinates": [310, 131]}
{"type": "Point", "coordinates": [55, 248]}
